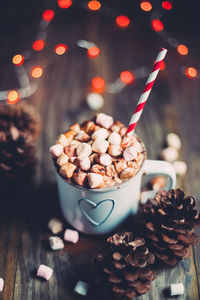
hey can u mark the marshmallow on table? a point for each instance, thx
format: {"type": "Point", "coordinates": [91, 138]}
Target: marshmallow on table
{"type": "Point", "coordinates": [127, 173]}
{"type": "Point", "coordinates": [44, 272]}
{"type": "Point", "coordinates": [104, 120]}
{"type": "Point", "coordinates": [67, 170]}
{"type": "Point", "coordinates": [56, 150]}
{"type": "Point", "coordinates": [55, 225]}
{"type": "Point", "coordinates": [180, 167]}
{"type": "Point", "coordinates": [80, 178]}
{"type": "Point", "coordinates": [71, 236]}
{"type": "Point", "coordinates": [62, 159]}
{"type": "Point", "coordinates": [95, 180]}
{"type": "Point", "coordinates": [82, 136]}
{"type": "Point", "coordinates": [105, 159]}
{"type": "Point", "coordinates": [169, 154]}
{"type": "Point", "coordinates": [173, 141]}
{"type": "Point", "coordinates": [130, 153]}
{"type": "Point", "coordinates": [1, 284]}
{"type": "Point", "coordinates": [81, 288]}
{"type": "Point", "coordinates": [176, 289]}
{"type": "Point", "coordinates": [83, 150]}
{"type": "Point", "coordinates": [114, 150]}
{"type": "Point", "coordinates": [56, 243]}
{"type": "Point", "coordinates": [100, 146]}
{"type": "Point", "coordinates": [84, 163]}
{"type": "Point", "coordinates": [100, 133]}
{"type": "Point", "coordinates": [115, 138]}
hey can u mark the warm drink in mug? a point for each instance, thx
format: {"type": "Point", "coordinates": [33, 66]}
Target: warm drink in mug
{"type": "Point", "coordinates": [99, 172]}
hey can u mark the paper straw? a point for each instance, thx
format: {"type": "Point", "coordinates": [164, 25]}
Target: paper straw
{"type": "Point", "coordinates": [143, 98]}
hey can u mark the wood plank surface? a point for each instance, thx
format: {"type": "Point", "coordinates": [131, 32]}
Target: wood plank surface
{"type": "Point", "coordinates": [60, 99]}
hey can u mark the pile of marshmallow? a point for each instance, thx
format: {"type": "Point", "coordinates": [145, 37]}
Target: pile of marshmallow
{"type": "Point", "coordinates": [97, 153]}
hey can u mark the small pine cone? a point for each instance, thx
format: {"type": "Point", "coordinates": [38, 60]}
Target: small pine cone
{"type": "Point", "coordinates": [168, 225]}
{"type": "Point", "coordinates": [123, 267]}
{"type": "Point", "coordinates": [19, 127]}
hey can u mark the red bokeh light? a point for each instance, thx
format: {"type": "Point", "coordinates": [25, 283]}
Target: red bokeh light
{"type": "Point", "coordinates": [48, 15]}
{"type": "Point", "coordinates": [18, 60]}
{"type": "Point", "coordinates": [127, 77]}
{"type": "Point", "coordinates": [98, 84]}
{"type": "Point", "coordinates": [94, 5]}
{"type": "Point", "coordinates": [60, 49]}
{"type": "Point", "coordinates": [13, 97]}
{"type": "Point", "coordinates": [38, 45]}
{"type": "Point", "coordinates": [146, 5]}
{"type": "Point", "coordinates": [36, 72]}
{"type": "Point", "coordinates": [93, 52]}
{"type": "Point", "coordinates": [162, 66]}
{"type": "Point", "coordinates": [157, 25]}
{"type": "Point", "coordinates": [122, 21]}
{"type": "Point", "coordinates": [167, 5]}
{"type": "Point", "coordinates": [191, 72]}
{"type": "Point", "coordinates": [64, 3]}
{"type": "Point", "coordinates": [182, 49]}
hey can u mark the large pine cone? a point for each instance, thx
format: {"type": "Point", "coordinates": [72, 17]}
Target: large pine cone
{"type": "Point", "coordinates": [168, 225]}
{"type": "Point", "coordinates": [19, 127]}
{"type": "Point", "coordinates": [123, 267]}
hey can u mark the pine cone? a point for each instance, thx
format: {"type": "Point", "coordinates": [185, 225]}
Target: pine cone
{"type": "Point", "coordinates": [19, 127]}
{"type": "Point", "coordinates": [123, 267]}
{"type": "Point", "coordinates": [168, 225]}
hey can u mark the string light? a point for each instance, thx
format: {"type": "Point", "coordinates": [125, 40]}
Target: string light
{"type": "Point", "coordinates": [182, 49]}
{"type": "Point", "coordinates": [146, 5]}
{"type": "Point", "coordinates": [98, 84]}
{"type": "Point", "coordinates": [18, 59]}
{"type": "Point", "coordinates": [64, 3]}
{"type": "Point", "coordinates": [191, 72]}
{"type": "Point", "coordinates": [94, 5]}
{"type": "Point", "coordinates": [167, 5]}
{"type": "Point", "coordinates": [93, 52]}
{"type": "Point", "coordinates": [48, 15]}
{"type": "Point", "coordinates": [127, 77]}
{"type": "Point", "coordinates": [38, 45]}
{"type": "Point", "coordinates": [162, 66]}
{"type": "Point", "coordinates": [60, 49]}
{"type": "Point", "coordinates": [36, 72]}
{"type": "Point", "coordinates": [13, 97]}
{"type": "Point", "coordinates": [122, 21]}
{"type": "Point", "coordinates": [157, 25]}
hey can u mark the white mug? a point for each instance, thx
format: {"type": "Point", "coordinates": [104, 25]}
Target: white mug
{"type": "Point", "coordinates": [100, 211]}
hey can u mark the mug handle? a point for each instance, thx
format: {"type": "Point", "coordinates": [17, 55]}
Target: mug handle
{"type": "Point", "coordinates": [158, 167]}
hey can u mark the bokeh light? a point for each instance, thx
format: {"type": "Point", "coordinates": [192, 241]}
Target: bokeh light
{"type": "Point", "coordinates": [122, 21]}
{"type": "Point", "coordinates": [182, 49]}
{"type": "Point", "coordinates": [93, 52]}
{"type": "Point", "coordinates": [60, 49]}
{"type": "Point", "coordinates": [167, 5]}
{"type": "Point", "coordinates": [64, 3]}
{"type": "Point", "coordinates": [127, 77]}
{"type": "Point", "coordinates": [146, 5]}
{"type": "Point", "coordinates": [13, 97]}
{"type": "Point", "coordinates": [162, 66]}
{"type": "Point", "coordinates": [157, 25]}
{"type": "Point", "coordinates": [38, 45]}
{"type": "Point", "coordinates": [94, 5]}
{"type": "Point", "coordinates": [18, 60]}
{"type": "Point", "coordinates": [98, 84]}
{"type": "Point", "coordinates": [48, 15]}
{"type": "Point", "coordinates": [36, 72]}
{"type": "Point", "coordinates": [191, 72]}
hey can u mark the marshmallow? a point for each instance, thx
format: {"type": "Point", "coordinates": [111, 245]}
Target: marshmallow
{"type": "Point", "coordinates": [62, 159]}
{"type": "Point", "coordinates": [123, 131]}
{"type": "Point", "coordinates": [72, 159]}
{"type": "Point", "coordinates": [84, 163]}
{"type": "Point", "coordinates": [100, 146]}
{"type": "Point", "coordinates": [83, 150]}
{"type": "Point", "coordinates": [71, 236]}
{"type": "Point", "coordinates": [67, 170]}
{"type": "Point", "coordinates": [56, 150]}
{"type": "Point", "coordinates": [108, 181]}
{"type": "Point", "coordinates": [82, 136]}
{"type": "Point", "coordinates": [127, 173]}
{"type": "Point", "coordinates": [70, 150]}
{"type": "Point", "coordinates": [98, 169]}
{"type": "Point", "coordinates": [95, 101]}
{"type": "Point", "coordinates": [89, 127]}
{"type": "Point", "coordinates": [81, 288]}
{"type": "Point", "coordinates": [120, 164]}
{"type": "Point", "coordinates": [55, 225]}
{"type": "Point", "coordinates": [180, 167]}
{"type": "Point", "coordinates": [95, 180]}
{"type": "Point", "coordinates": [104, 120]}
{"type": "Point", "coordinates": [173, 141]}
{"type": "Point", "coordinates": [100, 133]}
{"type": "Point", "coordinates": [1, 284]}
{"type": "Point", "coordinates": [56, 243]}
{"type": "Point", "coordinates": [115, 128]}
{"type": "Point", "coordinates": [128, 141]}
{"type": "Point", "coordinates": [75, 127]}
{"type": "Point", "coordinates": [158, 182]}
{"type": "Point", "coordinates": [93, 157]}
{"type": "Point", "coordinates": [130, 153]}
{"type": "Point", "coordinates": [75, 142]}
{"type": "Point", "coordinates": [176, 289]}
{"type": "Point", "coordinates": [44, 272]}
{"type": "Point", "coordinates": [110, 171]}
{"type": "Point", "coordinates": [70, 135]}
{"type": "Point", "coordinates": [114, 150]}
{"type": "Point", "coordinates": [80, 178]}
{"type": "Point", "coordinates": [139, 159]}
{"type": "Point", "coordinates": [63, 140]}
{"type": "Point", "coordinates": [105, 159]}
{"type": "Point", "coordinates": [132, 164]}
{"type": "Point", "coordinates": [169, 154]}
{"type": "Point", "coordinates": [138, 147]}
{"type": "Point", "coordinates": [115, 138]}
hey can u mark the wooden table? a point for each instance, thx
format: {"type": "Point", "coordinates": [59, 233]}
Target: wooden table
{"type": "Point", "coordinates": [173, 107]}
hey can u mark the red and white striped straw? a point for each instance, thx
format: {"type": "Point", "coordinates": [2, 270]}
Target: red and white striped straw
{"type": "Point", "coordinates": [143, 98]}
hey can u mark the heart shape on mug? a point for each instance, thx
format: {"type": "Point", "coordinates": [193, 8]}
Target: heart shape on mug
{"type": "Point", "coordinates": [86, 205]}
